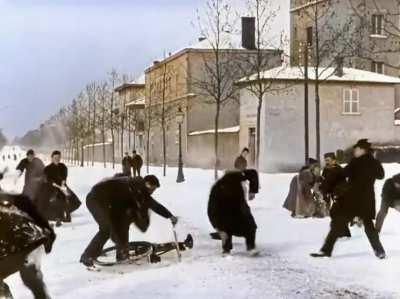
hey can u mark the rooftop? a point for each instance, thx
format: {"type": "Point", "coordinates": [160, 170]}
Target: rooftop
{"type": "Point", "coordinates": [286, 73]}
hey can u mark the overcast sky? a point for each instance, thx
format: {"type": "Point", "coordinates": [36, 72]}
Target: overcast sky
{"type": "Point", "coordinates": [50, 49]}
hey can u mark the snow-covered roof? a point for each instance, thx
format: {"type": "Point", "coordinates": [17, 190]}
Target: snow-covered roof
{"type": "Point", "coordinates": [396, 110]}
{"type": "Point", "coordinates": [96, 144]}
{"type": "Point", "coordinates": [397, 122]}
{"type": "Point", "coordinates": [140, 101]}
{"type": "Point", "coordinates": [225, 130]}
{"type": "Point", "coordinates": [326, 74]}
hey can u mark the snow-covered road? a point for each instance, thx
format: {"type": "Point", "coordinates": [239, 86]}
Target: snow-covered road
{"type": "Point", "coordinates": [284, 269]}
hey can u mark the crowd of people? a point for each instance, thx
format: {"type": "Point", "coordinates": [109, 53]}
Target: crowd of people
{"type": "Point", "coordinates": [343, 193]}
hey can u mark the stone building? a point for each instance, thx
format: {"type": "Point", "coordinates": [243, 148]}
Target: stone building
{"type": "Point", "coordinates": [173, 83]}
{"type": "Point", "coordinates": [357, 104]}
{"type": "Point", "coordinates": [369, 22]}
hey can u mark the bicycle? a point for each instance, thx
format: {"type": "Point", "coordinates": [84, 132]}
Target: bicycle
{"type": "Point", "coordinates": [140, 250]}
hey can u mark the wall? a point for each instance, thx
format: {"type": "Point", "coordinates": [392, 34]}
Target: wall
{"type": "Point", "coordinates": [201, 150]}
{"type": "Point", "coordinates": [282, 144]}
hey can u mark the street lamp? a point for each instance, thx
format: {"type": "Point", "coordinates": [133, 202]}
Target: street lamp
{"type": "Point", "coordinates": [180, 117]}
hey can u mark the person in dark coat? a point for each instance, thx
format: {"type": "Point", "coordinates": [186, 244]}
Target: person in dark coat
{"type": "Point", "coordinates": [23, 230]}
{"type": "Point", "coordinates": [229, 212]}
{"type": "Point", "coordinates": [127, 165]}
{"type": "Point", "coordinates": [55, 199]}
{"type": "Point", "coordinates": [390, 199]}
{"type": "Point", "coordinates": [241, 161]}
{"type": "Point", "coordinates": [33, 168]}
{"type": "Point", "coordinates": [358, 200]}
{"type": "Point", "coordinates": [117, 202]}
{"type": "Point", "coordinates": [137, 163]}
{"type": "Point", "coordinates": [332, 180]}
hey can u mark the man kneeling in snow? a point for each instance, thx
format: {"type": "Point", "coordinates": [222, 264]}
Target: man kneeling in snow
{"type": "Point", "coordinates": [229, 212]}
{"type": "Point", "coordinates": [116, 203]}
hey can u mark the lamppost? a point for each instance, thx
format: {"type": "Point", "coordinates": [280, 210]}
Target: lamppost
{"type": "Point", "coordinates": [180, 116]}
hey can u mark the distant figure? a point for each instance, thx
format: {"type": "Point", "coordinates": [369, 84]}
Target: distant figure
{"type": "Point", "coordinates": [300, 200]}
{"type": "Point", "coordinates": [33, 168]}
{"type": "Point", "coordinates": [241, 161]}
{"type": "Point", "coordinates": [127, 165]}
{"type": "Point", "coordinates": [358, 200]}
{"type": "Point", "coordinates": [390, 199]}
{"type": "Point", "coordinates": [15, 157]}
{"type": "Point", "coordinates": [137, 163]}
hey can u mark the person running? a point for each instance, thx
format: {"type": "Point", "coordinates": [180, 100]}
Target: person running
{"type": "Point", "coordinates": [358, 200]}
{"type": "Point", "coordinates": [33, 168]}
{"type": "Point", "coordinates": [390, 199]}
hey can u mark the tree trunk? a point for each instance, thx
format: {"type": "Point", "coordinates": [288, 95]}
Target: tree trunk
{"type": "Point", "coordinates": [82, 155]}
{"type": "Point", "coordinates": [94, 131]}
{"type": "Point", "coordinates": [258, 132]}
{"type": "Point", "coordinates": [216, 139]}
{"type": "Point", "coordinates": [317, 122]}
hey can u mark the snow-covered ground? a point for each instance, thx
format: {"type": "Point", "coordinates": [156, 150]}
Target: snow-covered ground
{"type": "Point", "coordinates": [284, 269]}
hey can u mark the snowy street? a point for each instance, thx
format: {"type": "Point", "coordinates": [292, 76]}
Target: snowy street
{"type": "Point", "coordinates": [283, 270]}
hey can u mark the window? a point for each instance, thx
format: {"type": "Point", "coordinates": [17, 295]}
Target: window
{"type": "Point", "coordinates": [309, 36]}
{"type": "Point", "coordinates": [377, 25]}
{"type": "Point", "coordinates": [351, 101]}
{"type": "Point", "coordinates": [378, 67]}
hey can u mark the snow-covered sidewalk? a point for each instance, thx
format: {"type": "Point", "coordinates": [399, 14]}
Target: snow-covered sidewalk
{"type": "Point", "coordinates": [284, 269]}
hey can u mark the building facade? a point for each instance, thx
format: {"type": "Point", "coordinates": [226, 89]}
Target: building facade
{"type": "Point", "coordinates": [176, 82]}
{"type": "Point", "coordinates": [359, 104]}
{"type": "Point", "coordinates": [369, 27]}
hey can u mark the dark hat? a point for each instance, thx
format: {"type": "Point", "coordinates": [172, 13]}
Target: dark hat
{"type": "Point", "coordinates": [152, 180]}
{"type": "Point", "coordinates": [55, 153]}
{"type": "Point", "coordinates": [396, 178]}
{"type": "Point", "coordinates": [330, 155]}
{"type": "Point", "coordinates": [312, 161]}
{"type": "Point", "coordinates": [30, 152]}
{"type": "Point", "coordinates": [245, 150]}
{"type": "Point", "coordinates": [133, 152]}
{"type": "Point", "coordinates": [364, 144]}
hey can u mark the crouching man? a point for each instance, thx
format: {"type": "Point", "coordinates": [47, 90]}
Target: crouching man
{"type": "Point", "coordinates": [229, 212]}
{"type": "Point", "coordinates": [115, 203]}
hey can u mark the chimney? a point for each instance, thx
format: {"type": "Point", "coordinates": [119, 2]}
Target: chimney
{"type": "Point", "coordinates": [339, 67]}
{"type": "Point", "coordinates": [249, 33]}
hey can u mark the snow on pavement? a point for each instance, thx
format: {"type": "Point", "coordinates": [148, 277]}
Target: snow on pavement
{"type": "Point", "coordinates": [284, 269]}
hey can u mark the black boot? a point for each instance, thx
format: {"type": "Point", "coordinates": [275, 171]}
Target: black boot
{"type": "Point", "coordinates": [320, 254]}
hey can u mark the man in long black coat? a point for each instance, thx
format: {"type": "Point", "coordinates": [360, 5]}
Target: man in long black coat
{"type": "Point", "coordinates": [332, 180]}
{"type": "Point", "coordinates": [55, 200]}
{"type": "Point", "coordinates": [358, 200]}
{"type": "Point", "coordinates": [229, 212]}
{"type": "Point", "coordinates": [390, 199]}
{"type": "Point", "coordinates": [33, 168]}
{"type": "Point", "coordinates": [127, 165]}
{"type": "Point", "coordinates": [137, 163]}
{"type": "Point", "coordinates": [22, 230]}
{"type": "Point", "coordinates": [116, 203]}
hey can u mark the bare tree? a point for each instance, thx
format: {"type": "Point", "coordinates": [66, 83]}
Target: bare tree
{"type": "Point", "coordinates": [265, 14]}
{"type": "Point", "coordinates": [219, 68]}
{"type": "Point", "coordinates": [329, 41]}
{"type": "Point", "coordinates": [113, 119]}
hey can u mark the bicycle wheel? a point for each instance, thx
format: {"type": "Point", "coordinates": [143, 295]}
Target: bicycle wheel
{"type": "Point", "coordinates": [137, 251]}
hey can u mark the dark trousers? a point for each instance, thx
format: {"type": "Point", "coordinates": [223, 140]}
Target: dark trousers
{"type": "Point", "coordinates": [136, 171]}
{"type": "Point", "coordinates": [340, 223]}
{"type": "Point", "coordinates": [250, 241]}
{"type": "Point", "coordinates": [118, 232]}
{"type": "Point", "coordinates": [31, 275]}
{"type": "Point", "coordinates": [380, 218]}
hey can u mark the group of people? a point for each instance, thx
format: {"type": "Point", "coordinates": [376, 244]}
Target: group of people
{"type": "Point", "coordinates": [346, 194]}
{"type": "Point", "coordinates": [132, 164]}
{"type": "Point", "coordinates": [25, 229]}
{"type": "Point", "coordinates": [117, 202]}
